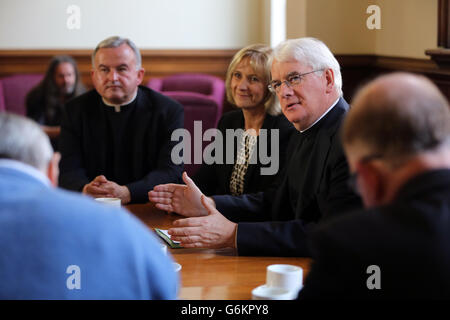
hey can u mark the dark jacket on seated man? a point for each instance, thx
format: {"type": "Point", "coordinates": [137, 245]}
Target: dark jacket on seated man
{"type": "Point", "coordinates": [131, 147]}
{"type": "Point", "coordinates": [312, 188]}
{"type": "Point", "coordinates": [408, 240]}
{"type": "Point", "coordinates": [399, 247]}
{"type": "Point", "coordinates": [214, 179]}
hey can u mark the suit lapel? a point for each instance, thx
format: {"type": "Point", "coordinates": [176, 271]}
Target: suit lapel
{"type": "Point", "coordinates": [320, 154]}
{"type": "Point", "coordinates": [237, 123]}
{"type": "Point", "coordinates": [140, 142]}
{"type": "Point", "coordinates": [99, 133]}
{"type": "Point", "coordinates": [253, 170]}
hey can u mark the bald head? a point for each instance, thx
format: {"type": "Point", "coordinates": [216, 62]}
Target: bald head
{"type": "Point", "coordinates": [397, 116]}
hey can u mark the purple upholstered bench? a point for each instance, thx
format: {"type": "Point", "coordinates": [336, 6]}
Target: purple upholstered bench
{"type": "Point", "coordinates": [15, 88]}
{"type": "Point", "coordinates": [210, 86]}
{"type": "Point", "coordinates": [197, 107]}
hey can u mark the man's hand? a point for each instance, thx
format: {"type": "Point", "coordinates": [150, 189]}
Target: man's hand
{"type": "Point", "coordinates": [101, 187]}
{"type": "Point", "coordinates": [211, 231]}
{"type": "Point", "coordinates": [93, 188]}
{"type": "Point", "coordinates": [182, 199]}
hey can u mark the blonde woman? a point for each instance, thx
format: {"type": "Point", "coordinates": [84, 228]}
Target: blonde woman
{"type": "Point", "coordinates": [246, 82]}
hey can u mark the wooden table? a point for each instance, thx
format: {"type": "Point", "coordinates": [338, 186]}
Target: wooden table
{"type": "Point", "coordinates": [214, 274]}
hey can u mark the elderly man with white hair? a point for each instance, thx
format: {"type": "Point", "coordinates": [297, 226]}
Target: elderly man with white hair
{"type": "Point", "coordinates": [57, 244]}
{"type": "Point", "coordinates": [307, 81]}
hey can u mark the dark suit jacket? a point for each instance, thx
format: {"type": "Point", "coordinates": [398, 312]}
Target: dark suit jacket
{"type": "Point", "coordinates": [306, 193]}
{"type": "Point", "coordinates": [409, 240]}
{"type": "Point", "coordinates": [85, 143]}
{"type": "Point", "coordinates": [214, 179]}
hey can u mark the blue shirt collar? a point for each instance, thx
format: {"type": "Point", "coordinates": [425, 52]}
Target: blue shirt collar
{"type": "Point", "coordinates": [26, 169]}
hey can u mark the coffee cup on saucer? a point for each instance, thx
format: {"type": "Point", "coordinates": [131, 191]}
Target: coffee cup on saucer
{"type": "Point", "coordinates": [283, 282]}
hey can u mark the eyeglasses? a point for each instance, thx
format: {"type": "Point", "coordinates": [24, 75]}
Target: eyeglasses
{"type": "Point", "coordinates": [291, 81]}
{"type": "Point", "coordinates": [352, 179]}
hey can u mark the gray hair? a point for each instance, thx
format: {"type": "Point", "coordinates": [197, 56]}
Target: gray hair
{"type": "Point", "coordinates": [311, 51]}
{"type": "Point", "coordinates": [115, 42]}
{"type": "Point", "coordinates": [398, 116]}
{"type": "Point", "coordinates": [23, 140]}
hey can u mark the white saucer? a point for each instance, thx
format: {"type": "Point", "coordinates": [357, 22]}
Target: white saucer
{"type": "Point", "coordinates": [176, 266]}
{"type": "Point", "coordinates": [272, 293]}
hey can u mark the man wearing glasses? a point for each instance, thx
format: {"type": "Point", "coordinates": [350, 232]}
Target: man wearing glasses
{"type": "Point", "coordinates": [307, 81]}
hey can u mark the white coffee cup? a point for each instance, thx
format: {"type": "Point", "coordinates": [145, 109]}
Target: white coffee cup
{"type": "Point", "coordinates": [109, 201]}
{"type": "Point", "coordinates": [285, 276]}
{"type": "Point", "coordinates": [283, 282]}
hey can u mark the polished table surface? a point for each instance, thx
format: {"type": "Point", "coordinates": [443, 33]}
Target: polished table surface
{"type": "Point", "coordinates": [213, 274]}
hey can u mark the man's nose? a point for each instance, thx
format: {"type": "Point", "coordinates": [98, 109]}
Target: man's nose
{"type": "Point", "coordinates": [285, 90]}
{"type": "Point", "coordinates": [113, 76]}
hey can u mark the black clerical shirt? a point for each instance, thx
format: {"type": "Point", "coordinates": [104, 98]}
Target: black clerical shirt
{"type": "Point", "coordinates": [120, 128]}
{"type": "Point", "coordinates": [132, 147]}
{"type": "Point", "coordinates": [312, 188]}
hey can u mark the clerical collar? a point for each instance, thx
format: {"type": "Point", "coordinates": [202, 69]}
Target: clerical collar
{"type": "Point", "coordinates": [323, 115]}
{"type": "Point", "coordinates": [117, 106]}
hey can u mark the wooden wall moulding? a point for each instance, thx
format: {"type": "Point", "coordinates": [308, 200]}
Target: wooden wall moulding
{"type": "Point", "coordinates": [157, 63]}
{"type": "Point", "coordinates": [359, 69]}
{"type": "Point", "coordinates": [441, 56]}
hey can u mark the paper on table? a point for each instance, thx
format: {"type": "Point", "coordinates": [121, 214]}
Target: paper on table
{"type": "Point", "coordinates": [166, 237]}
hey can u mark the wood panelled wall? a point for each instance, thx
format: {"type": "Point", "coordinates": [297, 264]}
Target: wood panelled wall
{"type": "Point", "coordinates": [157, 63]}
{"type": "Point", "coordinates": [356, 69]}
{"type": "Point", "coordinates": [359, 69]}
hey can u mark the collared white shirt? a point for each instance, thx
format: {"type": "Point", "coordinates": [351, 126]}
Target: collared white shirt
{"type": "Point", "coordinates": [323, 115]}
{"type": "Point", "coordinates": [25, 168]}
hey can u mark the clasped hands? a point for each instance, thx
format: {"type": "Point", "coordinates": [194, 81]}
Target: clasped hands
{"type": "Point", "coordinates": [102, 187]}
{"type": "Point", "coordinates": [204, 226]}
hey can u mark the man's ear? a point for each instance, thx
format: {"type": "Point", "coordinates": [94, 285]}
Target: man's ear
{"type": "Point", "coordinates": [53, 169]}
{"type": "Point", "coordinates": [140, 76]}
{"type": "Point", "coordinates": [329, 77]}
{"type": "Point", "coordinates": [372, 184]}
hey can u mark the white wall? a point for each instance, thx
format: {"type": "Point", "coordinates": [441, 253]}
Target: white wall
{"type": "Point", "coordinates": [409, 27]}
{"type": "Point", "coordinates": [151, 24]}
